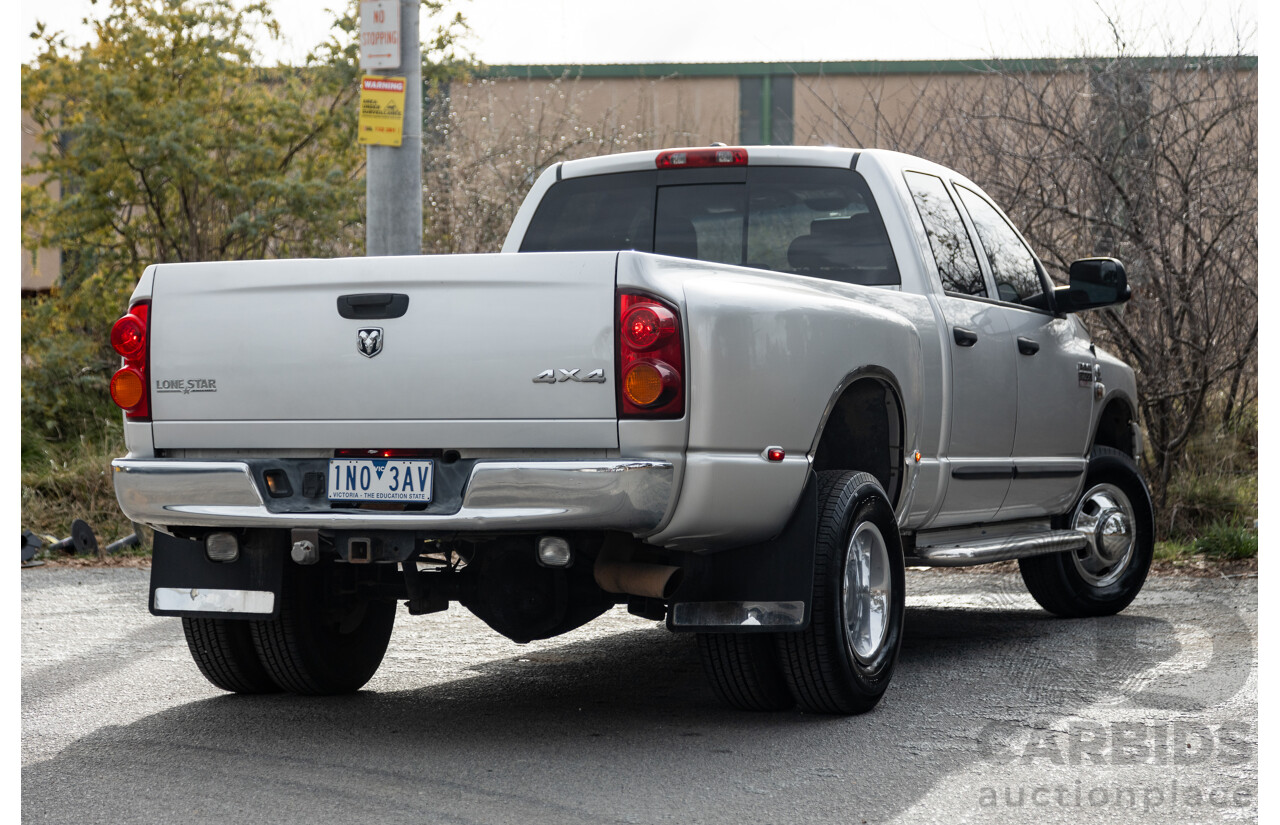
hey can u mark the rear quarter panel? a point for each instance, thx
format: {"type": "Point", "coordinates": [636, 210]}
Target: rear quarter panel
{"type": "Point", "coordinates": [767, 353]}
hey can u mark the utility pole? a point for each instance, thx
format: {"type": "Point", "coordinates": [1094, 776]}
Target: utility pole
{"type": "Point", "coordinates": [393, 174]}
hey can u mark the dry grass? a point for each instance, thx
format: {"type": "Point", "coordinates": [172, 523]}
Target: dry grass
{"type": "Point", "coordinates": [63, 482]}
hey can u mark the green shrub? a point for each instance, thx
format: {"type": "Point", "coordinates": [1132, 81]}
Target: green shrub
{"type": "Point", "coordinates": [70, 428]}
{"type": "Point", "coordinates": [1228, 539]}
{"type": "Point", "coordinates": [67, 363]}
{"type": "Point", "coordinates": [1215, 484]}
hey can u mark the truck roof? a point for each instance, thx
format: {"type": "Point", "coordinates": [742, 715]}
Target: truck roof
{"type": "Point", "coordinates": [834, 156]}
{"type": "Point", "coordinates": [756, 156]}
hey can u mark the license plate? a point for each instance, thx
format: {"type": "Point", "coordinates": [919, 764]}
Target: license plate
{"type": "Point", "coordinates": [380, 479]}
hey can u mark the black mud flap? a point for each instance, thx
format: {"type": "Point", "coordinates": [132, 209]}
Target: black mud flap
{"type": "Point", "coordinates": [185, 583]}
{"type": "Point", "coordinates": [763, 588]}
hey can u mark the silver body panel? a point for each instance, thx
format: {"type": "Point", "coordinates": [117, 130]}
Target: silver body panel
{"type": "Point", "coordinates": [767, 355]}
{"type": "Point", "coordinates": [269, 338]}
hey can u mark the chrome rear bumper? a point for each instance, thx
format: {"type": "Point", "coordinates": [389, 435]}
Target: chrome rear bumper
{"type": "Point", "coordinates": [631, 496]}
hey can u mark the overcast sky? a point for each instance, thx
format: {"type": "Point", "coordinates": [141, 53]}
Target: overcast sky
{"type": "Point", "coordinates": [687, 31]}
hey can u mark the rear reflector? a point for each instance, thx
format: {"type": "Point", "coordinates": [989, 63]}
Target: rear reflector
{"type": "Point", "coordinates": [701, 158]}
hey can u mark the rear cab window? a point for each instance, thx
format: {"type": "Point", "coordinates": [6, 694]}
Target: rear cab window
{"type": "Point", "coordinates": [813, 221]}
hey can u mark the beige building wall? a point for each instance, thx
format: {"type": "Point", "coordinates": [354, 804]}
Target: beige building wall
{"type": "Point", "coordinates": [869, 111]}
{"type": "Point", "coordinates": [39, 272]}
{"type": "Point", "coordinates": [856, 110]}
{"type": "Point", "coordinates": [648, 111]}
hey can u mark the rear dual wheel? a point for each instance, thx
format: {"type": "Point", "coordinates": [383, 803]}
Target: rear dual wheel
{"type": "Point", "coordinates": [843, 662]}
{"type": "Point", "coordinates": [223, 650]}
{"type": "Point", "coordinates": [744, 671]}
{"type": "Point", "coordinates": [319, 643]}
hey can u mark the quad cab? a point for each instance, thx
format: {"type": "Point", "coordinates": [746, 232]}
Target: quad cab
{"type": "Point", "coordinates": [736, 389]}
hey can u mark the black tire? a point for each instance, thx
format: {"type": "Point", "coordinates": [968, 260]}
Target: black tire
{"type": "Point", "coordinates": [223, 650]}
{"type": "Point", "coordinates": [823, 668]}
{"type": "Point", "coordinates": [743, 670]}
{"type": "Point", "coordinates": [1098, 581]}
{"type": "Point", "coordinates": [322, 644]}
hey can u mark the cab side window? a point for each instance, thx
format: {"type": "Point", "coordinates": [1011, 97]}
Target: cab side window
{"type": "Point", "coordinates": [1013, 266]}
{"type": "Point", "coordinates": [952, 249]}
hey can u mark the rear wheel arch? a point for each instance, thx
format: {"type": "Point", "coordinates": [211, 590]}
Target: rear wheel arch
{"type": "Point", "coordinates": [864, 429]}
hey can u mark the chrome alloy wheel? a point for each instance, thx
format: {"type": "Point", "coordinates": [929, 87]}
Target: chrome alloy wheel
{"type": "Point", "coordinates": [1106, 518]}
{"type": "Point", "coordinates": [866, 592]}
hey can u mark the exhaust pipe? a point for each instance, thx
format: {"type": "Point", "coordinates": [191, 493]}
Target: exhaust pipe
{"type": "Point", "coordinates": [615, 573]}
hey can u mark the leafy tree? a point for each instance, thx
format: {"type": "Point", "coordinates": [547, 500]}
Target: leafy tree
{"type": "Point", "coordinates": [169, 142]}
{"type": "Point", "coordinates": [171, 145]}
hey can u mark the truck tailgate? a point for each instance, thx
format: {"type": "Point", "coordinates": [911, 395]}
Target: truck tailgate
{"type": "Point", "coordinates": [265, 342]}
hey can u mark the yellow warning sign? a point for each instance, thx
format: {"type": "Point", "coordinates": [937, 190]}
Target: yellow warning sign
{"type": "Point", "coordinates": [381, 110]}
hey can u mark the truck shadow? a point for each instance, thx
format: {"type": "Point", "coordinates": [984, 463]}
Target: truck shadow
{"type": "Point", "coordinates": [613, 729]}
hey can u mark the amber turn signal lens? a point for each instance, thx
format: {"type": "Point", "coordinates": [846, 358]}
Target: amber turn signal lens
{"type": "Point", "coordinates": [127, 388]}
{"type": "Point", "coordinates": [644, 384]}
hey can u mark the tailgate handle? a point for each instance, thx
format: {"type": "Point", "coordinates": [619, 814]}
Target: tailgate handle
{"type": "Point", "coordinates": [373, 305]}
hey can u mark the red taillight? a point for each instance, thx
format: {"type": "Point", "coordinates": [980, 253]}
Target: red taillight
{"type": "Point", "coordinates": [694, 158]}
{"type": "Point", "coordinates": [129, 384]}
{"type": "Point", "coordinates": [129, 337]}
{"type": "Point", "coordinates": [648, 325]}
{"type": "Point", "coordinates": [650, 359]}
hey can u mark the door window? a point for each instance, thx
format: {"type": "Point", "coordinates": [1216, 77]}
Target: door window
{"type": "Point", "coordinates": [1013, 266]}
{"type": "Point", "coordinates": [952, 249]}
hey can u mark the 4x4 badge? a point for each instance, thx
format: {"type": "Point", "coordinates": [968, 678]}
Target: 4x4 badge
{"type": "Point", "coordinates": [551, 377]}
{"type": "Point", "coordinates": [370, 343]}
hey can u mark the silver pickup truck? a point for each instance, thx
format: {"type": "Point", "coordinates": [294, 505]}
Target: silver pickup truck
{"type": "Point", "coordinates": [736, 389]}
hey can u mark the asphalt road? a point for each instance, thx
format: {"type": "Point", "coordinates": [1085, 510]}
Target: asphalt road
{"type": "Point", "coordinates": [998, 713]}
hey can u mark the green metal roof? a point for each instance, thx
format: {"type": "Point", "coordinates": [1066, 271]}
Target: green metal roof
{"type": "Point", "coordinates": [849, 67]}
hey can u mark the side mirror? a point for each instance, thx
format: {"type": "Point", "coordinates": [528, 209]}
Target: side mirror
{"type": "Point", "coordinates": [1095, 282]}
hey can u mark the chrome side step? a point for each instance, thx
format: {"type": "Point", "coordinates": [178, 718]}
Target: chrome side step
{"type": "Point", "coordinates": [999, 548]}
